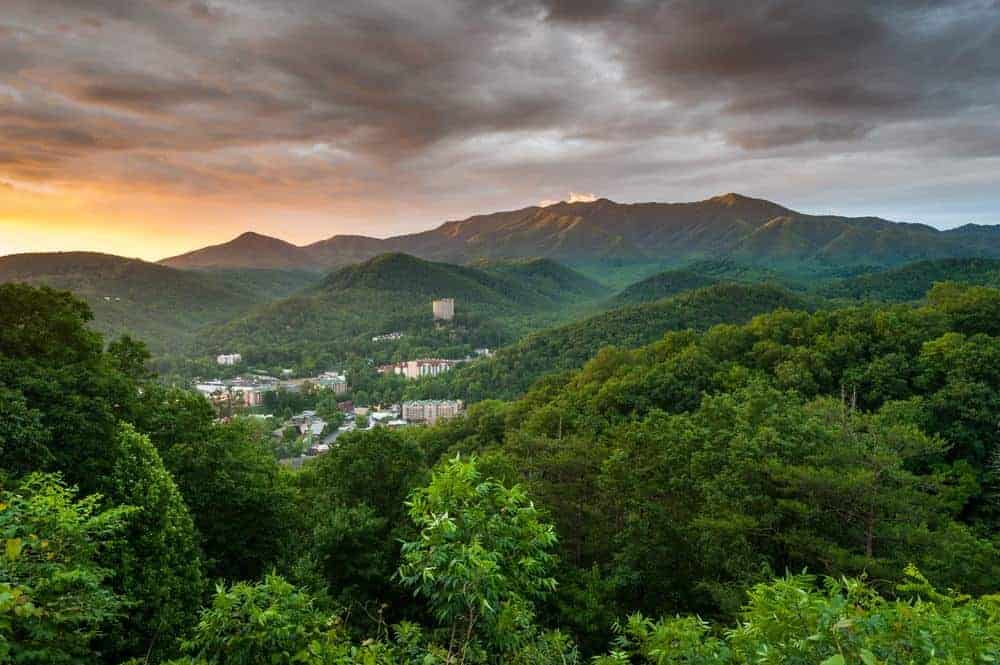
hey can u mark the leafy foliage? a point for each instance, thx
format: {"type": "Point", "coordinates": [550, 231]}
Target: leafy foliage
{"type": "Point", "coordinates": [53, 597]}
{"type": "Point", "coordinates": [673, 479]}
{"type": "Point", "coordinates": [481, 560]}
{"type": "Point", "coordinates": [845, 621]}
{"type": "Point", "coordinates": [157, 565]}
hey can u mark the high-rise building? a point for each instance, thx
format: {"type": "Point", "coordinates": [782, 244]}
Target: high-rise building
{"type": "Point", "coordinates": [444, 309]}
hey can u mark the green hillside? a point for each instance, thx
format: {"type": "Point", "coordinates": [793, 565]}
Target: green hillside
{"type": "Point", "coordinates": [912, 281]}
{"type": "Point", "coordinates": [160, 305]}
{"type": "Point", "coordinates": [265, 283]}
{"type": "Point", "coordinates": [513, 369]}
{"type": "Point", "coordinates": [545, 276]}
{"type": "Point", "coordinates": [662, 285]}
{"type": "Point", "coordinates": [705, 272]}
{"type": "Point", "coordinates": [335, 321]}
{"type": "Point", "coordinates": [407, 275]}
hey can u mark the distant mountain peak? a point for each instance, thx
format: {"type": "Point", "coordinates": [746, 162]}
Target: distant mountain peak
{"type": "Point", "coordinates": [254, 237]}
{"type": "Point", "coordinates": [732, 198]}
{"type": "Point", "coordinates": [249, 249]}
{"type": "Point", "coordinates": [582, 231]}
{"type": "Point", "coordinates": [735, 200]}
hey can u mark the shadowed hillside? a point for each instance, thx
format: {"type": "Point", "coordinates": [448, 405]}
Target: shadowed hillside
{"type": "Point", "coordinates": [161, 305]}
{"type": "Point", "coordinates": [912, 281]}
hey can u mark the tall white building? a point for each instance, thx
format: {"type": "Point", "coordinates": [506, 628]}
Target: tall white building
{"type": "Point", "coordinates": [229, 359]}
{"type": "Point", "coordinates": [444, 309]}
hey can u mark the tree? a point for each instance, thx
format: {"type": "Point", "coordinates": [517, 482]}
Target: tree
{"type": "Point", "coordinates": [267, 623]}
{"type": "Point", "coordinates": [54, 591]}
{"type": "Point", "coordinates": [157, 566]}
{"type": "Point", "coordinates": [57, 367]}
{"type": "Point", "coordinates": [242, 502]}
{"type": "Point", "coordinates": [24, 439]}
{"type": "Point", "coordinates": [756, 481]}
{"type": "Point", "coordinates": [481, 561]}
{"type": "Point", "coordinates": [353, 498]}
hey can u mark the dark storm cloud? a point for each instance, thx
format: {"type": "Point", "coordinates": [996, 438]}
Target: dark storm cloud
{"type": "Point", "coordinates": [850, 63]}
{"type": "Point", "coordinates": [771, 137]}
{"type": "Point", "coordinates": [515, 94]}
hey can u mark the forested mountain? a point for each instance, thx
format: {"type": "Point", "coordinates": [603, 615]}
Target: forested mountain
{"type": "Point", "coordinates": [249, 250]}
{"type": "Point", "coordinates": [159, 304]}
{"type": "Point", "coordinates": [267, 283]}
{"type": "Point", "coordinates": [405, 277]}
{"type": "Point", "coordinates": [514, 368]}
{"type": "Point", "coordinates": [912, 281]}
{"type": "Point", "coordinates": [545, 276]}
{"type": "Point", "coordinates": [747, 229]}
{"type": "Point", "coordinates": [662, 285]}
{"type": "Point", "coordinates": [681, 479]}
{"type": "Point", "coordinates": [393, 292]}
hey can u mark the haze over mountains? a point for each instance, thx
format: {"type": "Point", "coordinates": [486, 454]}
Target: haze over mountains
{"type": "Point", "coordinates": [743, 228]}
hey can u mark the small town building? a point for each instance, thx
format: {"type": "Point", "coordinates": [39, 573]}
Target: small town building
{"type": "Point", "coordinates": [229, 359]}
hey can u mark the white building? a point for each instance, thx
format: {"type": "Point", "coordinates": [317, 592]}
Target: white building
{"type": "Point", "coordinates": [209, 388]}
{"type": "Point", "coordinates": [333, 380]}
{"type": "Point", "coordinates": [387, 337]}
{"type": "Point", "coordinates": [444, 309]}
{"type": "Point", "coordinates": [229, 359]}
{"type": "Point", "coordinates": [431, 410]}
{"type": "Point", "coordinates": [247, 392]}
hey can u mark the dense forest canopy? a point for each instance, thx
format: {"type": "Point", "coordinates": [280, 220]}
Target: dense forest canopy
{"type": "Point", "coordinates": [789, 486]}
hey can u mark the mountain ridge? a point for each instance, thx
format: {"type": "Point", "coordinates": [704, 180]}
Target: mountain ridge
{"type": "Point", "coordinates": [733, 225]}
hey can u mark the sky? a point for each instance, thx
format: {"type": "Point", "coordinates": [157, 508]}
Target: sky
{"type": "Point", "coordinates": [151, 127]}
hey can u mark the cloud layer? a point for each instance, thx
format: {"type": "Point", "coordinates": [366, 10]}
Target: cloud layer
{"type": "Point", "coordinates": [378, 116]}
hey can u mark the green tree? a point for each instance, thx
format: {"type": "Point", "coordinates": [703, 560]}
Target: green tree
{"type": "Point", "coordinates": [24, 439]}
{"type": "Point", "coordinates": [52, 363]}
{"type": "Point", "coordinates": [352, 499]}
{"type": "Point", "coordinates": [55, 594]}
{"type": "Point", "coordinates": [241, 500]}
{"type": "Point", "coordinates": [268, 623]}
{"type": "Point", "coordinates": [481, 561]}
{"type": "Point", "coordinates": [157, 566]}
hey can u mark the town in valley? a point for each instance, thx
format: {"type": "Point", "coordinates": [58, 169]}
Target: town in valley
{"type": "Point", "coordinates": [312, 431]}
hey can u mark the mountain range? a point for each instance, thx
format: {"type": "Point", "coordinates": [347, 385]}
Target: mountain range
{"type": "Point", "coordinates": [741, 228]}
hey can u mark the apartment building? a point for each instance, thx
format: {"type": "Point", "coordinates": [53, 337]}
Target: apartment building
{"type": "Point", "coordinates": [430, 411]}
